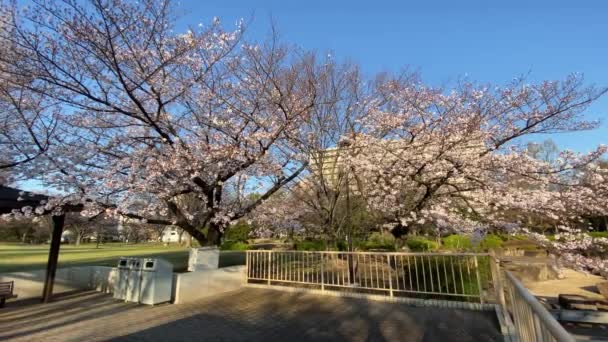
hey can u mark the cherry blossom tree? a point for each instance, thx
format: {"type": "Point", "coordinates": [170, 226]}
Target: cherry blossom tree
{"type": "Point", "coordinates": [456, 160]}
{"type": "Point", "coordinates": [152, 114]}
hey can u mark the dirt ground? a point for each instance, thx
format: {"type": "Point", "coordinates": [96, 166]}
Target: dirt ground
{"type": "Point", "coordinates": [574, 282]}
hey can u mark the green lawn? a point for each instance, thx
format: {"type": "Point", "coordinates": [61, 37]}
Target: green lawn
{"type": "Point", "coordinates": [21, 257]}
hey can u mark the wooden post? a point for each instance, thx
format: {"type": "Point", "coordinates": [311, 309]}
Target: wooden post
{"type": "Point", "coordinates": [51, 266]}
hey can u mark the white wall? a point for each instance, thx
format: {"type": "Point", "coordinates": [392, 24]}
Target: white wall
{"type": "Point", "coordinates": [200, 284]}
{"type": "Point", "coordinates": [29, 284]}
{"type": "Point", "coordinates": [187, 287]}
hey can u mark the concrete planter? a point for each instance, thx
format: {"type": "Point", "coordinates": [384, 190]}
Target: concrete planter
{"type": "Point", "coordinates": [204, 258]}
{"type": "Point", "coordinates": [193, 286]}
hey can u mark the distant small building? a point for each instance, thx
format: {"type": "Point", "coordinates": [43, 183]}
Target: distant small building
{"type": "Point", "coordinates": [172, 234]}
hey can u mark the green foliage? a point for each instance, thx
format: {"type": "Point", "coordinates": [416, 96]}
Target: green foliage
{"type": "Point", "coordinates": [377, 240]}
{"type": "Point", "coordinates": [311, 245]}
{"type": "Point", "coordinates": [382, 238]}
{"type": "Point", "coordinates": [598, 234]}
{"type": "Point", "coordinates": [421, 244]}
{"type": "Point", "coordinates": [234, 246]}
{"type": "Point", "coordinates": [457, 242]}
{"type": "Point", "coordinates": [238, 232]}
{"type": "Point", "coordinates": [491, 241]}
{"type": "Point", "coordinates": [342, 246]}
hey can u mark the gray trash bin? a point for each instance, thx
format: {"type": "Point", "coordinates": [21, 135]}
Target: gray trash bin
{"type": "Point", "coordinates": [134, 280]}
{"type": "Point", "coordinates": [120, 283]}
{"type": "Point", "coordinates": [156, 281]}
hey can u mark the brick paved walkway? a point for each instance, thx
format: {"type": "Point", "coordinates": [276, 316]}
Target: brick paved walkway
{"type": "Point", "coordinates": [244, 315]}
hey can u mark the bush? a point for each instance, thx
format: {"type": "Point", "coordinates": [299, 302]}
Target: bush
{"type": "Point", "coordinates": [234, 246]}
{"type": "Point", "coordinates": [310, 245]}
{"type": "Point", "coordinates": [421, 244]}
{"type": "Point", "coordinates": [457, 242]}
{"type": "Point", "coordinates": [376, 240]}
{"type": "Point", "coordinates": [238, 232]}
{"type": "Point", "coordinates": [491, 241]}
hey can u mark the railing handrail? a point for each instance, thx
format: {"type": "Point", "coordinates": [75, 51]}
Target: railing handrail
{"type": "Point", "coordinates": [362, 252]}
{"type": "Point", "coordinates": [551, 324]}
{"type": "Point", "coordinates": [450, 275]}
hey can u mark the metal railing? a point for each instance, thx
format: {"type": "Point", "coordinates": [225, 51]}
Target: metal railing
{"type": "Point", "coordinates": [531, 320]}
{"type": "Point", "coordinates": [459, 276]}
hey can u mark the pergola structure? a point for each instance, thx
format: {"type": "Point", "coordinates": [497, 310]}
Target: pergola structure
{"type": "Point", "coordinates": [15, 199]}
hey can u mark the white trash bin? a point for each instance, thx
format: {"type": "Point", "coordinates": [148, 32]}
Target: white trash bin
{"type": "Point", "coordinates": [134, 280]}
{"type": "Point", "coordinates": [122, 278]}
{"type": "Point", "coordinates": [156, 281]}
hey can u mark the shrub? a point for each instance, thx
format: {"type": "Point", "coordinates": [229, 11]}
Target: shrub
{"type": "Point", "coordinates": [234, 246]}
{"type": "Point", "coordinates": [310, 245]}
{"type": "Point", "coordinates": [491, 241]}
{"type": "Point", "coordinates": [421, 244]}
{"type": "Point", "coordinates": [457, 242]}
{"type": "Point", "coordinates": [238, 232]}
{"type": "Point", "coordinates": [378, 240]}
{"type": "Point", "coordinates": [342, 245]}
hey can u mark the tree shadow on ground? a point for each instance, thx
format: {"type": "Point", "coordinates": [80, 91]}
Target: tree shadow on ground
{"type": "Point", "coordinates": [244, 315]}
{"type": "Point", "coordinates": [281, 316]}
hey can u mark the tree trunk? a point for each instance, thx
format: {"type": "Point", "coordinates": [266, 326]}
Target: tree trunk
{"type": "Point", "coordinates": [196, 234]}
{"type": "Point", "coordinates": [214, 236]}
{"type": "Point", "coordinates": [24, 237]}
{"type": "Point", "coordinates": [78, 238]}
{"type": "Point", "coordinates": [180, 234]}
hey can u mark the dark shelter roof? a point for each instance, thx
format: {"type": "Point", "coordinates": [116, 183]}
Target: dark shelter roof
{"type": "Point", "coordinates": [9, 199]}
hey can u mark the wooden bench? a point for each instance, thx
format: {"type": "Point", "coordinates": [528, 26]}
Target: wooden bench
{"type": "Point", "coordinates": [6, 291]}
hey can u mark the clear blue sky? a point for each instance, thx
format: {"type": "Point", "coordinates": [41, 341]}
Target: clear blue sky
{"type": "Point", "coordinates": [487, 41]}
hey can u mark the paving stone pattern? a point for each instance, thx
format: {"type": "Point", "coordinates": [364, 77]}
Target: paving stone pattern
{"type": "Point", "coordinates": [245, 315]}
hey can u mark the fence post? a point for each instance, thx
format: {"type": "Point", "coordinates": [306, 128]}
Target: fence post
{"type": "Point", "coordinates": [247, 274]}
{"type": "Point", "coordinates": [497, 279]}
{"type": "Point", "coordinates": [478, 279]}
{"type": "Point", "coordinates": [269, 267]}
{"type": "Point", "coordinates": [390, 275]}
{"type": "Point", "coordinates": [322, 273]}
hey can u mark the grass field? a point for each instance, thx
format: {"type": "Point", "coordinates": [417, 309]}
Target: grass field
{"type": "Point", "coordinates": [16, 257]}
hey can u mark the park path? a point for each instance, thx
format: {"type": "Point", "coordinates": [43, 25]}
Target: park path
{"type": "Point", "coordinates": [245, 315]}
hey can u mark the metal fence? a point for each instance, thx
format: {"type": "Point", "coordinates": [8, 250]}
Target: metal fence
{"type": "Point", "coordinates": [532, 321]}
{"type": "Point", "coordinates": [461, 276]}
{"type": "Point", "coordinates": [458, 276]}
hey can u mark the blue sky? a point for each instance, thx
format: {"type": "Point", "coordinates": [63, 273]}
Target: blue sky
{"type": "Point", "coordinates": [487, 41]}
